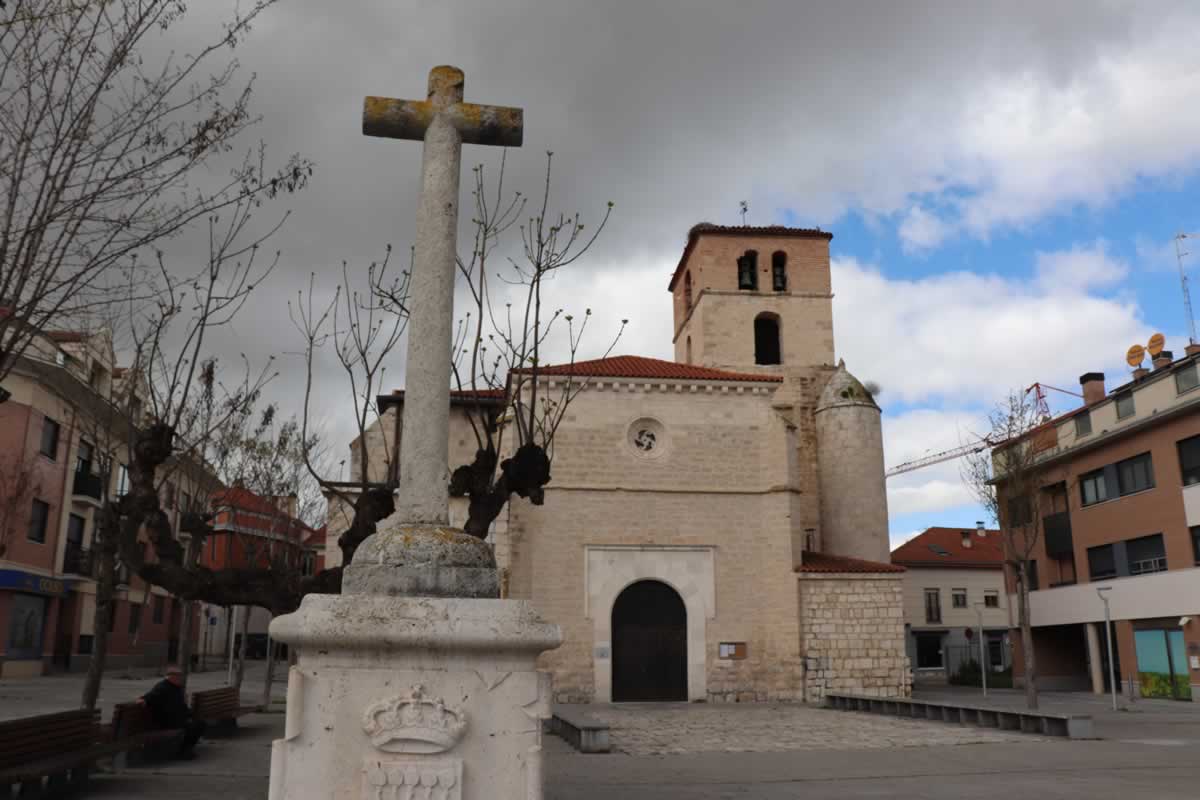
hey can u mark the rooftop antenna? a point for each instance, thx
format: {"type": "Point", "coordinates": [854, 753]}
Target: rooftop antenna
{"type": "Point", "coordinates": [744, 208]}
{"type": "Point", "coordinates": [1183, 283]}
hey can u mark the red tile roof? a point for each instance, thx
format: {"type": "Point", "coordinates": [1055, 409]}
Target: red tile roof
{"type": "Point", "coordinates": [826, 563]}
{"type": "Point", "coordinates": [653, 368]}
{"type": "Point", "coordinates": [709, 229]}
{"type": "Point", "coordinates": [943, 547]}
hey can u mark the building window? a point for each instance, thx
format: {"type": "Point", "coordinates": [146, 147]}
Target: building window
{"type": "Point", "coordinates": [929, 650]}
{"type": "Point", "coordinates": [50, 430]}
{"type": "Point", "coordinates": [38, 518]}
{"type": "Point", "coordinates": [748, 271]}
{"type": "Point", "coordinates": [83, 458]}
{"type": "Point", "coordinates": [933, 605]}
{"type": "Point", "coordinates": [1125, 405]}
{"type": "Point", "coordinates": [135, 617]}
{"type": "Point", "coordinates": [689, 349]}
{"type": "Point", "coordinates": [687, 290]}
{"type": "Point", "coordinates": [1101, 563]}
{"type": "Point", "coordinates": [308, 563]}
{"type": "Point", "coordinates": [991, 598]}
{"type": "Point", "coordinates": [1093, 487]}
{"type": "Point", "coordinates": [160, 605]}
{"type": "Point", "coordinates": [112, 615]}
{"type": "Point", "coordinates": [958, 598]}
{"type": "Point", "coordinates": [1196, 543]}
{"type": "Point", "coordinates": [766, 339]}
{"type": "Point", "coordinates": [1083, 423]}
{"type": "Point", "coordinates": [85, 644]}
{"type": "Point", "coordinates": [185, 502]}
{"type": "Point", "coordinates": [122, 481]}
{"type": "Point", "coordinates": [1186, 379]}
{"type": "Point", "coordinates": [779, 271]}
{"type": "Point", "coordinates": [1146, 554]}
{"type": "Point", "coordinates": [1135, 474]}
{"type": "Point", "coordinates": [1189, 460]}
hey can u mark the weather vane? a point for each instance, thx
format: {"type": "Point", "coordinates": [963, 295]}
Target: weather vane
{"type": "Point", "coordinates": [743, 208]}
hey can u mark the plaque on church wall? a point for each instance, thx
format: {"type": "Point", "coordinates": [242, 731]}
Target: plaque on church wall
{"type": "Point", "coordinates": [734, 651]}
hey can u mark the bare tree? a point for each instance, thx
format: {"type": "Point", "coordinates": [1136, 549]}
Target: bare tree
{"type": "Point", "coordinates": [18, 487]}
{"type": "Point", "coordinates": [498, 351]}
{"type": "Point", "coordinates": [100, 147]}
{"type": "Point", "coordinates": [1008, 482]}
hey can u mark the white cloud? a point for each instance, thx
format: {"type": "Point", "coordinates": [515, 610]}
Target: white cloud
{"type": "Point", "coordinates": [968, 339]}
{"type": "Point", "coordinates": [1079, 268]}
{"type": "Point", "coordinates": [922, 230]}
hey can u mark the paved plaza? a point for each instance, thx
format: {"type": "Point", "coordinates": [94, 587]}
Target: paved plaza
{"type": "Point", "coordinates": [720, 752]}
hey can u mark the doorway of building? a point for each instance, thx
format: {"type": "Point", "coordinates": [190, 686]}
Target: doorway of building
{"type": "Point", "coordinates": [649, 644]}
{"type": "Point", "coordinates": [1162, 664]}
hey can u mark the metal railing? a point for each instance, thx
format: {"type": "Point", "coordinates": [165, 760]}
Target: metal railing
{"type": "Point", "coordinates": [89, 485]}
{"type": "Point", "coordinates": [77, 560]}
{"type": "Point", "coordinates": [1147, 565]}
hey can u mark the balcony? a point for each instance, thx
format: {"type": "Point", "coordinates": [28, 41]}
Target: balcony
{"type": "Point", "coordinates": [77, 560]}
{"type": "Point", "coordinates": [89, 485]}
{"type": "Point", "coordinates": [1059, 541]}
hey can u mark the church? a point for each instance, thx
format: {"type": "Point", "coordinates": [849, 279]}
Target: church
{"type": "Point", "coordinates": [716, 526]}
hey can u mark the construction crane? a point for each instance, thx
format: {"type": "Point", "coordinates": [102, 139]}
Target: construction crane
{"type": "Point", "coordinates": [937, 458]}
{"type": "Point", "coordinates": [1038, 390]}
{"type": "Point", "coordinates": [1183, 284]}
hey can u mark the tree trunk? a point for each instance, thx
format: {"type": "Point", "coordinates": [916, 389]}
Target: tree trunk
{"type": "Point", "coordinates": [266, 698]}
{"type": "Point", "coordinates": [240, 668]}
{"type": "Point", "coordinates": [104, 543]}
{"type": "Point", "coordinates": [188, 614]}
{"type": "Point", "coordinates": [1031, 692]}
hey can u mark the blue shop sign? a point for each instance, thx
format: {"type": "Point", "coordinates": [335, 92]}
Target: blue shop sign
{"type": "Point", "coordinates": [21, 581]}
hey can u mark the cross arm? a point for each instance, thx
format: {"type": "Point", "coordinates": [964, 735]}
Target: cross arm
{"type": "Point", "coordinates": [409, 119]}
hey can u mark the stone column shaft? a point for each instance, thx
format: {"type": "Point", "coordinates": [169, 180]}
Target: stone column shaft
{"type": "Point", "coordinates": [424, 453]}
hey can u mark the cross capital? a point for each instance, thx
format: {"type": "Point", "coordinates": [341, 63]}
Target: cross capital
{"type": "Point", "coordinates": [475, 123]}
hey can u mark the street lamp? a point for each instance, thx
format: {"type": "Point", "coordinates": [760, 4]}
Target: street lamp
{"type": "Point", "coordinates": [1112, 669]}
{"type": "Point", "coordinates": [983, 664]}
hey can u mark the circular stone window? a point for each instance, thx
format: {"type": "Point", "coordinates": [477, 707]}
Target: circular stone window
{"type": "Point", "coordinates": [647, 437]}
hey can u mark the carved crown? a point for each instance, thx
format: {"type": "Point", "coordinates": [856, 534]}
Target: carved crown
{"type": "Point", "coordinates": [413, 723]}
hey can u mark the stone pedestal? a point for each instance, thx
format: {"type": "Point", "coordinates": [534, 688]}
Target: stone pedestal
{"type": "Point", "coordinates": [399, 697]}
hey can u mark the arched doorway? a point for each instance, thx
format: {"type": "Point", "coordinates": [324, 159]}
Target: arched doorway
{"type": "Point", "coordinates": [649, 644]}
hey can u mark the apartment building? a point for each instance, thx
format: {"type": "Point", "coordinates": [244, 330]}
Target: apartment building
{"type": "Point", "coordinates": [953, 586]}
{"type": "Point", "coordinates": [1120, 521]}
{"type": "Point", "coordinates": [63, 453]}
{"type": "Point", "coordinates": [249, 530]}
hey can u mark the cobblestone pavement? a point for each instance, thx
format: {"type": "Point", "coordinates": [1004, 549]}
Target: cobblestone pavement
{"type": "Point", "coordinates": [647, 729]}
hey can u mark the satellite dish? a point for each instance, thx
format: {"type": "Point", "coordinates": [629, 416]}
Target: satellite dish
{"type": "Point", "coordinates": [1155, 346]}
{"type": "Point", "coordinates": [1135, 355]}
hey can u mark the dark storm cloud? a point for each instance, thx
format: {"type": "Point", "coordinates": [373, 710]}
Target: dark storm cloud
{"type": "Point", "coordinates": [673, 110]}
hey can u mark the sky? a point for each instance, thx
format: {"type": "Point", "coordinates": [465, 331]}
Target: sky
{"type": "Point", "coordinates": [1004, 182]}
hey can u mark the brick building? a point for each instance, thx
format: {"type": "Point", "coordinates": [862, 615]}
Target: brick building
{"type": "Point", "coordinates": [1120, 508]}
{"type": "Point", "coordinates": [249, 530]}
{"type": "Point", "coordinates": [954, 581]}
{"type": "Point", "coordinates": [63, 451]}
{"type": "Point", "coordinates": [716, 526]}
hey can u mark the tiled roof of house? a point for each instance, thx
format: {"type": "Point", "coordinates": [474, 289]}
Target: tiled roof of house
{"type": "Point", "coordinates": [709, 229]}
{"type": "Point", "coordinates": [254, 511]}
{"type": "Point", "coordinates": [826, 563]}
{"type": "Point", "coordinates": [457, 397]}
{"type": "Point", "coordinates": [652, 368]}
{"type": "Point", "coordinates": [943, 547]}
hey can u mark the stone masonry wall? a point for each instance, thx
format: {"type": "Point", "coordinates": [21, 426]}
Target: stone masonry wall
{"type": "Point", "coordinates": [852, 635]}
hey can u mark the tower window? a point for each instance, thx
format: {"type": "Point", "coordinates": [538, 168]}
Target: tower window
{"type": "Point", "coordinates": [748, 271]}
{"type": "Point", "coordinates": [779, 271]}
{"type": "Point", "coordinates": [689, 349]}
{"type": "Point", "coordinates": [766, 339]}
{"type": "Point", "coordinates": [687, 290]}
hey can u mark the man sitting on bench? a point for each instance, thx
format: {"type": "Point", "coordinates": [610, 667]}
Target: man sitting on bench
{"type": "Point", "coordinates": [168, 706]}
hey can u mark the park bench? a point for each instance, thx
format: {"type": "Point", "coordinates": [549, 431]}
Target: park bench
{"type": "Point", "coordinates": [50, 755]}
{"type": "Point", "coordinates": [137, 738]}
{"type": "Point", "coordinates": [220, 707]}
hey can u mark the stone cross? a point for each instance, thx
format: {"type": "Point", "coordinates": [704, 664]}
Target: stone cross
{"type": "Point", "coordinates": [444, 122]}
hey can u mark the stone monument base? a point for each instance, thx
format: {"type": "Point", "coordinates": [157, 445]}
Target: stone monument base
{"type": "Point", "coordinates": [412, 697]}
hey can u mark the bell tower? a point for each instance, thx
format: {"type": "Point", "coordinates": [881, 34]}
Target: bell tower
{"type": "Point", "coordinates": [753, 299]}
